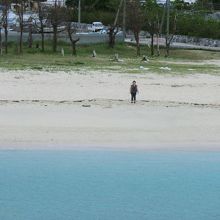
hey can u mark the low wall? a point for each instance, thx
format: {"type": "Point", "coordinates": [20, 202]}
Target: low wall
{"type": "Point", "coordinates": [196, 41]}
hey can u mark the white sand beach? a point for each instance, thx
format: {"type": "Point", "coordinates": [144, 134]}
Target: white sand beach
{"type": "Point", "coordinates": [64, 110]}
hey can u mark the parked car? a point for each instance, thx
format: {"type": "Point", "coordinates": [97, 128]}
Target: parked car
{"type": "Point", "coordinates": [96, 26]}
{"type": "Point", "coordinates": [12, 18]}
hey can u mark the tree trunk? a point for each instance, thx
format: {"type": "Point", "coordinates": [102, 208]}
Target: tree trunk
{"type": "Point", "coordinates": [21, 39]}
{"type": "Point", "coordinates": [6, 29]}
{"type": "Point", "coordinates": [21, 23]}
{"type": "Point", "coordinates": [137, 39]}
{"type": "Point", "coordinates": [42, 34]}
{"type": "Point", "coordinates": [54, 38]}
{"type": "Point", "coordinates": [112, 34]}
{"type": "Point", "coordinates": [167, 51]}
{"type": "Point", "coordinates": [158, 45]}
{"type": "Point", "coordinates": [0, 41]}
{"type": "Point", "coordinates": [40, 15]}
{"type": "Point", "coordinates": [73, 48]}
{"type": "Point", "coordinates": [6, 40]}
{"type": "Point", "coordinates": [167, 48]}
{"type": "Point", "coordinates": [30, 38]}
{"type": "Point", "coordinates": [42, 42]}
{"type": "Point", "coordinates": [138, 49]}
{"type": "Point", "coordinates": [73, 42]}
{"type": "Point", "coordinates": [158, 35]}
{"type": "Point", "coordinates": [110, 38]}
{"type": "Point", "coordinates": [152, 44]}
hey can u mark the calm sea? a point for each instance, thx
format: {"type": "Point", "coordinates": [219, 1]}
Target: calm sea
{"type": "Point", "coordinates": [114, 185]}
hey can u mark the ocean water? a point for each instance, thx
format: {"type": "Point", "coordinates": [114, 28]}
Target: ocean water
{"type": "Point", "coordinates": [96, 184]}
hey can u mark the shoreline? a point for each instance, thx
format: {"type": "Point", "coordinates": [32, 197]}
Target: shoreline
{"type": "Point", "coordinates": [162, 148]}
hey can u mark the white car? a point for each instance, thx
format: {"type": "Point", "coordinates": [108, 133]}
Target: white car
{"type": "Point", "coordinates": [96, 26]}
{"type": "Point", "coordinates": [12, 17]}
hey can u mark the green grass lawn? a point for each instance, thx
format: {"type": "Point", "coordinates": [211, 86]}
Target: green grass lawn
{"type": "Point", "coordinates": [180, 61]}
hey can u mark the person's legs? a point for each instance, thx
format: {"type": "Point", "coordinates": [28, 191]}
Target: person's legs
{"type": "Point", "coordinates": [134, 97]}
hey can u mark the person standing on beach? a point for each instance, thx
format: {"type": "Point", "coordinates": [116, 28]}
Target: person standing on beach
{"type": "Point", "coordinates": [133, 91]}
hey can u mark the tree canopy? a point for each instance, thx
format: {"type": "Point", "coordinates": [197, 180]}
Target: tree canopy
{"type": "Point", "coordinates": [107, 5]}
{"type": "Point", "coordinates": [96, 10]}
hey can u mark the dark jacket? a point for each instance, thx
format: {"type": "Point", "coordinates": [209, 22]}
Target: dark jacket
{"type": "Point", "coordinates": [133, 89]}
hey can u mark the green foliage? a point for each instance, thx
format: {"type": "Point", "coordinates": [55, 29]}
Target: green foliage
{"type": "Point", "coordinates": [152, 16]}
{"type": "Point", "coordinates": [197, 25]}
{"type": "Point", "coordinates": [182, 5]}
{"type": "Point", "coordinates": [204, 5]}
{"type": "Point", "coordinates": [106, 5]}
{"type": "Point", "coordinates": [105, 17]}
{"type": "Point", "coordinates": [71, 3]}
{"type": "Point", "coordinates": [96, 10]}
{"type": "Point", "coordinates": [135, 16]}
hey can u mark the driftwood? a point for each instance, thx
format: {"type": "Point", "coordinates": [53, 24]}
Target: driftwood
{"type": "Point", "coordinates": [62, 52]}
{"type": "Point", "coordinates": [145, 59]}
{"type": "Point", "coordinates": [94, 53]}
{"type": "Point", "coordinates": [116, 58]}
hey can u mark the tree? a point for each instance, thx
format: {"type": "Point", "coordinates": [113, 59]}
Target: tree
{"type": "Point", "coordinates": [204, 5]}
{"type": "Point", "coordinates": [205, 27]}
{"type": "Point", "coordinates": [112, 32]}
{"type": "Point", "coordinates": [216, 4]}
{"type": "Point", "coordinates": [88, 5]}
{"type": "Point", "coordinates": [56, 17]}
{"type": "Point", "coordinates": [152, 17]}
{"type": "Point", "coordinates": [20, 7]}
{"type": "Point", "coordinates": [135, 20]}
{"type": "Point", "coordinates": [113, 29]}
{"type": "Point", "coordinates": [6, 5]}
{"type": "Point", "coordinates": [171, 20]}
{"type": "Point", "coordinates": [181, 5]}
{"type": "Point", "coordinates": [71, 3]}
{"type": "Point", "coordinates": [96, 10]}
{"type": "Point", "coordinates": [42, 15]}
{"type": "Point", "coordinates": [71, 28]}
{"type": "Point", "coordinates": [30, 32]}
{"type": "Point", "coordinates": [1, 18]}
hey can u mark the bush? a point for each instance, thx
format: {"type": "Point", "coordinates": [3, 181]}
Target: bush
{"type": "Point", "coordinates": [198, 26]}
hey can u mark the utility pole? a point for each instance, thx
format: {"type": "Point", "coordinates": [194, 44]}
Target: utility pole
{"type": "Point", "coordinates": [79, 11]}
{"type": "Point", "coordinates": [124, 20]}
{"type": "Point", "coordinates": [118, 11]}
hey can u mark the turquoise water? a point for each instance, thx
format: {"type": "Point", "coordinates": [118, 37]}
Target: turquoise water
{"type": "Point", "coordinates": [64, 185]}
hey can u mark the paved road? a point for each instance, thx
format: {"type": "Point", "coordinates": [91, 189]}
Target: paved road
{"type": "Point", "coordinates": [85, 38]}
{"type": "Point", "coordinates": [92, 38]}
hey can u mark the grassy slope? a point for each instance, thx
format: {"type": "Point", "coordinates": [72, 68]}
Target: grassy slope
{"type": "Point", "coordinates": [34, 59]}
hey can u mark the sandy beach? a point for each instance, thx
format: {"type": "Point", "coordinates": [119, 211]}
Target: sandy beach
{"type": "Point", "coordinates": [64, 110]}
